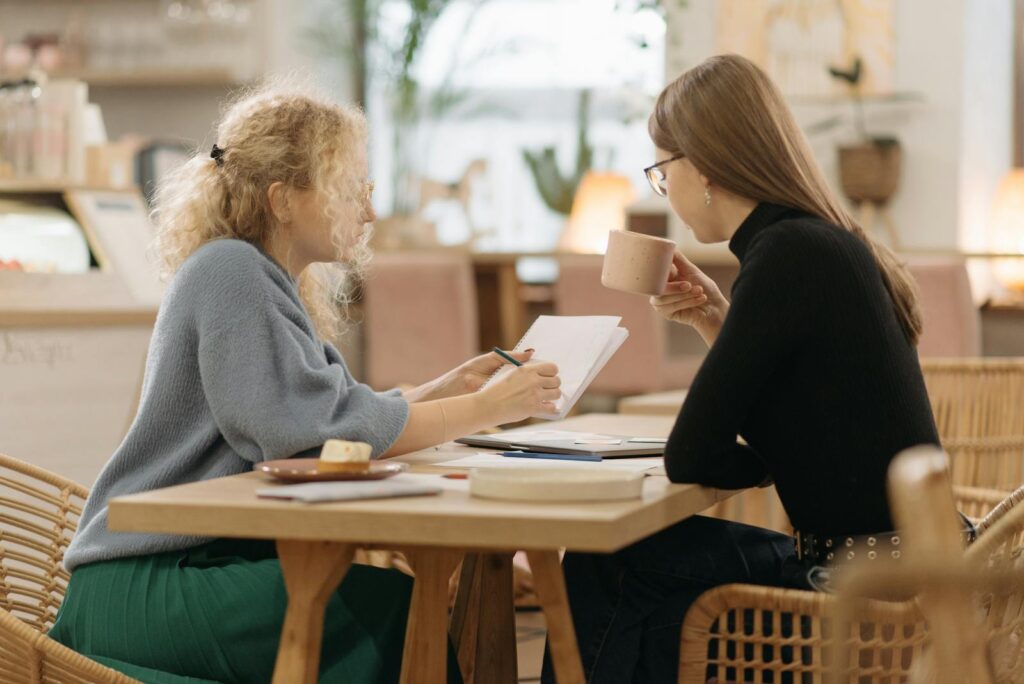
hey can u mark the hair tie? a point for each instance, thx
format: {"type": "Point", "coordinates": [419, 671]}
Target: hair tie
{"type": "Point", "coordinates": [217, 154]}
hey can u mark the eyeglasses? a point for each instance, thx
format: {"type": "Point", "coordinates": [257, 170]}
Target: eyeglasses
{"type": "Point", "coordinates": [656, 177]}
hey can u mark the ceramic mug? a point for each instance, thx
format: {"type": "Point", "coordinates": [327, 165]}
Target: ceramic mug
{"type": "Point", "coordinates": [637, 263]}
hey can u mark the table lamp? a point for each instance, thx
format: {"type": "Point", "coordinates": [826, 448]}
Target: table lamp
{"type": "Point", "coordinates": [598, 208]}
{"type": "Point", "coordinates": [1008, 230]}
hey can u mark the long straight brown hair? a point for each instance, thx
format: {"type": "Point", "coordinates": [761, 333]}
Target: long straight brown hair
{"type": "Point", "coordinates": [731, 122]}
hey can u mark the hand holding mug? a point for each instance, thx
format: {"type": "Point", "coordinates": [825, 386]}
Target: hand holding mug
{"type": "Point", "coordinates": [692, 298]}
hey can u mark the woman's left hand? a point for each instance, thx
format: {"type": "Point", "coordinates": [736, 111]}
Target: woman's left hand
{"type": "Point", "coordinates": [466, 378]}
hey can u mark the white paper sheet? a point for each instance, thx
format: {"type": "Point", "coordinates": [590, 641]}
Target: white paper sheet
{"type": "Point", "coordinates": [579, 345]}
{"type": "Point", "coordinates": [551, 435]}
{"type": "Point", "coordinates": [314, 492]}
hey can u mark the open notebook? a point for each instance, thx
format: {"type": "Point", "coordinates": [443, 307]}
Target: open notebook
{"type": "Point", "coordinates": [579, 345]}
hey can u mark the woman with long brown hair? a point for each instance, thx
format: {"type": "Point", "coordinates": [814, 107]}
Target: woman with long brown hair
{"type": "Point", "coordinates": [813, 363]}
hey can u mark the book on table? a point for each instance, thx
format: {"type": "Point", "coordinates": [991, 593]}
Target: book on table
{"type": "Point", "coordinates": [569, 442]}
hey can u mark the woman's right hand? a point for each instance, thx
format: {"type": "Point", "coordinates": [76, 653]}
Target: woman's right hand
{"type": "Point", "coordinates": [693, 299]}
{"type": "Point", "coordinates": [525, 391]}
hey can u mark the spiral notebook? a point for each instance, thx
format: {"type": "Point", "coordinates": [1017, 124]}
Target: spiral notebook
{"type": "Point", "coordinates": [579, 345]}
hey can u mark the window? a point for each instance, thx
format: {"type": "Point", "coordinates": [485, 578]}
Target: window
{"type": "Point", "coordinates": [507, 76]}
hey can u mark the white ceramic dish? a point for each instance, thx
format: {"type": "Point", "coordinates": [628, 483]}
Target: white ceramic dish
{"type": "Point", "coordinates": [578, 484]}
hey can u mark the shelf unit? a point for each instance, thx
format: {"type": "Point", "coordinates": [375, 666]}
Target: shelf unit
{"type": "Point", "coordinates": [121, 288]}
{"type": "Point", "coordinates": [143, 78]}
{"type": "Point", "coordinates": [73, 345]}
{"type": "Point", "coordinates": [896, 97]}
{"type": "Point", "coordinates": [9, 186]}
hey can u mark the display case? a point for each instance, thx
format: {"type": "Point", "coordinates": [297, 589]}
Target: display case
{"type": "Point", "coordinates": [73, 344]}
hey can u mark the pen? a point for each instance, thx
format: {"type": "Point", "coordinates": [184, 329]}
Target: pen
{"type": "Point", "coordinates": [505, 356]}
{"type": "Point", "coordinates": [593, 458]}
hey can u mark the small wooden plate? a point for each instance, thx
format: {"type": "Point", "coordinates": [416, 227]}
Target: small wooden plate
{"type": "Point", "coordinates": [305, 470]}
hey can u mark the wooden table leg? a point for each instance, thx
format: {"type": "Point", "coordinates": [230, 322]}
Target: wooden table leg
{"type": "Point", "coordinates": [312, 571]}
{"type": "Point", "coordinates": [510, 305]}
{"type": "Point", "coordinates": [464, 622]}
{"type": "Point", "coordinates": [425, 659]}
{"type": "Point", "coordinates": [484, 629]}
{"type": "Point", "coordinates": [500, 311]}
{"type": "Point", "coordinates": [549, 583]}
{"type": "Point", "coordinates": [496, 639]}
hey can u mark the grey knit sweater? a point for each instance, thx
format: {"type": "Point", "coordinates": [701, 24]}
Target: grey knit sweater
{"type": "Point", "coordinates": [235, 375]}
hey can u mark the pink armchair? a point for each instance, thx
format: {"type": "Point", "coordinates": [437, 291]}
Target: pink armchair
{"type": "Point", "coordinates": [420, 316]}
{"type": "Point", "coordinates": [952, 322]}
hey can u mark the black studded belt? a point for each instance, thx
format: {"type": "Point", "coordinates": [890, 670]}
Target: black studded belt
{"type": "Point", "coordinates": [831, 550]}
{"type": "Point", "coordinates": [825, 550]}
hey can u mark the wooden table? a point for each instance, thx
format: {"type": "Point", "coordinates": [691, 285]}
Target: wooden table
{"type": "Point", "coordinates": [656, 404]}
{"type": "Point", "coordinates": [500, 305]}
{"type": "Point", "coordinates": [316, 545]}
{"type": "Point", "coordinates": [500, 309]}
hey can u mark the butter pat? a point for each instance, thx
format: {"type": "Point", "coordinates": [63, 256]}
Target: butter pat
{"type": "Point", "coordinates": [341, 451]}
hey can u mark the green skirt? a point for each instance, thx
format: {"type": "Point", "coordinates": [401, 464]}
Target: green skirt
{"type": "Point", "coordinates": [214, 613]}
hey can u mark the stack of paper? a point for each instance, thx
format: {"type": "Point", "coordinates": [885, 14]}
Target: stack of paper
{"type": "Point", "coordinates": [579, 345]}
{"type": "Point", "coordinates": [314, 492]}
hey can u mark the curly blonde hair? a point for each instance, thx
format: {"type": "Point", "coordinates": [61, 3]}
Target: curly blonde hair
{"type": "Point", "coordinates": [273, 134]}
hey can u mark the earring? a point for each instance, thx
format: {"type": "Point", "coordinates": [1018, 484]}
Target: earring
{"type": "Point", "coordinates": [707, 195]}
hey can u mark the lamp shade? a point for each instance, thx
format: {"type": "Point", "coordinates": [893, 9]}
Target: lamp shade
{"type": "Point", "coordinates": [598, 208]}
{"type": "Point", "coordinates": [1008, 229]}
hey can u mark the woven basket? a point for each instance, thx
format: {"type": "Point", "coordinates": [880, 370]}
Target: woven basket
{"type": "Point", "coordinates": [870, 172]}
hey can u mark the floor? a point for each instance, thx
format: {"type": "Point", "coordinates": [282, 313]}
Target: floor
{"type": "Point", "coordinates": [530, 632]}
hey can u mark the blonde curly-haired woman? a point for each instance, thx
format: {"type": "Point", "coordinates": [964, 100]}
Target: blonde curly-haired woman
{"type": "Point", "coordinates": [257, 237]}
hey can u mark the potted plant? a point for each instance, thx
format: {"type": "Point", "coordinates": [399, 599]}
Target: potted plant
{"type": "Point", "coordinates": [869, 170]}
{"type": "Point", "coordinates": [556, 189]}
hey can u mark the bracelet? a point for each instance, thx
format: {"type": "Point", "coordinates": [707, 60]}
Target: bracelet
{"type": "Point", "coordinates": [444, 422]}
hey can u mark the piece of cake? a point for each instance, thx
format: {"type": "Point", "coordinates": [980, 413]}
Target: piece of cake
{"type": "Point", "coordinates": [341, 456]}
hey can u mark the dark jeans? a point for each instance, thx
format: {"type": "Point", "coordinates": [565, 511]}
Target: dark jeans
{"type": "Point", "coordinates": [628, 607]}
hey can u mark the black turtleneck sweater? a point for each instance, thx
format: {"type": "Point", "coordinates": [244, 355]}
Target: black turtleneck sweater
{"type": "Point", "coordinates": [813, 370]}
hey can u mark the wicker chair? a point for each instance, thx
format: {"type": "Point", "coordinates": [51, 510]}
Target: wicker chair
{"type": "Point", "coordinates": [1000, 548]}
{"type": "Point", "coordinates": [977, 502]}
{"type": "Point", "coordinates": [38, 515]}
{"type": "Point", "coordinates": [1000, 510]}
{"type": "Point", "coordinates": [741, 632]}
{"type": "Point", "coordinates": [982, 646]}
{"type": "Point", "coordinates": [977, 410]}
{"type": "Point", "coordinates": [989, 580]}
